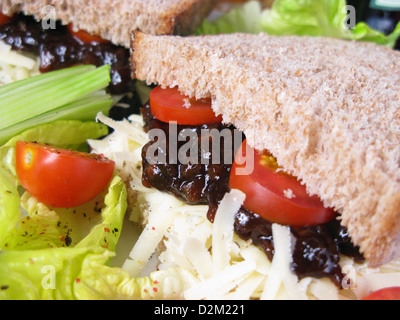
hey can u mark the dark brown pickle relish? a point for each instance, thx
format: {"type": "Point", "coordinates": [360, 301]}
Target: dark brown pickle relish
{"type": "Point", "coordinates": [317, 248]}
{"type": "Point", "coordinates": [194, 183]}
{"type": "Point", "coordinates": [58, 49]}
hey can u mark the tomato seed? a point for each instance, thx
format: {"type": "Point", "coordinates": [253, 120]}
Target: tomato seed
{"type": "Point", "coordinates": [28, 157]}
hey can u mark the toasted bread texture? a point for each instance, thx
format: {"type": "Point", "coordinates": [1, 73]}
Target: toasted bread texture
{"type": "Point", "coordinates": [328, 110]}
{"type": "Point", "coordinates": [115, 19]}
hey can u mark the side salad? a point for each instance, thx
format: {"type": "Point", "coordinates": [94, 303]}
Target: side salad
{"type": "Point", "coordinates": [49, 252]}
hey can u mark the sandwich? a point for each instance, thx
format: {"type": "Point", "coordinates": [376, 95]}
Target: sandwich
{"type": "Point", "coordinates": [321, 111]}
{"type": "Point", "coordinates": [113, 21]}
{"type": "Point", "coordinates": [67, 33]}
{"type": "Point", "coordinates": [199, 235]}
{"type": "Point", "coordinates": [292, 113]}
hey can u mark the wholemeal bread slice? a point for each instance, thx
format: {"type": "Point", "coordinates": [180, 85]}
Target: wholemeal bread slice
{"type": "Point", "coordinates": [328, 110]}
{"type": "Point", "coordinates": [115, 19]}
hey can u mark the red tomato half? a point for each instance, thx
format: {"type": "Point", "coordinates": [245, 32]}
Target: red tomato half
{"type": "Point", "coordinates": [61, 178]}
{"type": "Point", "coordinates": [273, 194]}
{"type": "Point", "coordinates": [169, 105]}
{"type": "Point", "coordinates": [4, 19]}
{"type": "Point", "coordinates": [390, 293]}
{"type": "Point", "coordinates": [85, 36]}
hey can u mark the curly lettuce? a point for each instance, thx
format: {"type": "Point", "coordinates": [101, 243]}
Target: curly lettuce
{"type": "Point", "coordinates": [329, 18]}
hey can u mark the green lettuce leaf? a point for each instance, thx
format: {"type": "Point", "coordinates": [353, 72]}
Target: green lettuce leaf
{"type": "Point", "coordinates": [106, 233]}
{"type": "Point", "coordinates": [97, 223]}
{"type": "Point", "coordinates": [329, 18]}
{"type": "Point", "coordinates": [43, 250]}
{"type": "Point", "coordinates": [98, 281]}
{"type": "Point", "coordinates": [44, 274]}
{"type": "Point", "coordinates": [62, 133]}
{"type": "Point", "coordinates": [246, 18]}
{"type": "Point", "coordinates": [9, 202]}
{"type": "Point", "coordinates": [82, 274]}
{"type": "Point", "coordinates": [37, 261]}
{"type": "Point", "coordinates": [306, 17]}
{"type": "Point", "coordinates": [363, 32]}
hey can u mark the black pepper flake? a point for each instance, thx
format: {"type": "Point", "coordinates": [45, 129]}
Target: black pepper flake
{"type": "Point", "coordinates": [68, 240]}
{"type": "Point", "coordinates": [97, 207]}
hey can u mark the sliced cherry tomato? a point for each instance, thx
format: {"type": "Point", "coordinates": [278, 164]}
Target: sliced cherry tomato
{"type": "Point", "coordinates": [273, 194]}
{"type": "Point", "coordinates": [85, 36]}
{"type": "Point", "coordinates": [390, 293]}
{"type": "Point", "coordinates": [59, 177]}
{"type": "Point", "coordinates": [169, 105]}
{"type": "Point", "coordinates": [4, 19]}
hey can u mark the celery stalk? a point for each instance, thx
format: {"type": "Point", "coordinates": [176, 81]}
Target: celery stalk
{"type": "Point", "coordinates": [84, 109]}
{"type": "Point", "coordinates": [30, 98]}
{"type": "Point", "coordinates": [44, 78]}
{"type": "Point", "coordinates": [75, 93]}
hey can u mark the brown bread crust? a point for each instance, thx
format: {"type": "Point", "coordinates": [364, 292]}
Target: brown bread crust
{"type": "Point", "coordinates": [114, 20]}
{"type": "Point", "coordinates": [328, 110]}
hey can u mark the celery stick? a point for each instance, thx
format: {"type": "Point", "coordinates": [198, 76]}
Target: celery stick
{"type": "Point", "coordinates": [84, 109]}
{"type": "Point", "coordinates": [64, 90]}
{"type": "Point", "coordinates": [44, 78]}
{"type": "Point", "coordinates": [33, 98]}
